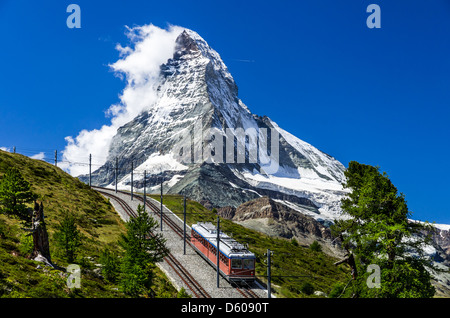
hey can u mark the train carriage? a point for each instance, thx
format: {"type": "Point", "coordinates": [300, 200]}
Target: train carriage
{"type": "Point", "coordinates": [237, 263]}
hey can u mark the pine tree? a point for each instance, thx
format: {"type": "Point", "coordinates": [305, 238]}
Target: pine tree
{"type": "Point", "coordinates": [110, 264]}
{"type": "Point", "coordinates": [68, 238]}
{"type": "Point", "coordinates": [378, 232]}
{"type": "Point", "coordinates": [142, 251]}
{"type": "Point", "coordinates": [15, 192]}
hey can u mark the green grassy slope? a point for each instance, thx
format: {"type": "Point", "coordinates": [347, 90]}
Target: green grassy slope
{"type": "Point", "coordinates": [95, 218]}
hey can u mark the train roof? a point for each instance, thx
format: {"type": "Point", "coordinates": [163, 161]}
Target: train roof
{"type": "Point", "coordinates": [228, 245]}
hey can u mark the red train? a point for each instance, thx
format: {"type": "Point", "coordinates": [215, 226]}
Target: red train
{"type": "Point", "coordinates": [237, 263]}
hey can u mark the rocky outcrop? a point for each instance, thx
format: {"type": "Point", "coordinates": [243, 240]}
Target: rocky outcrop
{"type": "Point", "coordinates": [226, 212]}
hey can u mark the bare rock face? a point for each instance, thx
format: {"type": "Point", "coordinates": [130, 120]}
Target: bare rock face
{"type": "Point", "coordinates": [441, 241]}
{"type": "Point", "coordinates": [227, 212]}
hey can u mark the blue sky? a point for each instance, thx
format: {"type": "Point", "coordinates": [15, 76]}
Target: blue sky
{"type": "Point", "coordinates": [377, 96]}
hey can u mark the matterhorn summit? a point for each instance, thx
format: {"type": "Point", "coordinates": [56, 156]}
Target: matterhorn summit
{"type": "Point", "coordinates": [197, 137]}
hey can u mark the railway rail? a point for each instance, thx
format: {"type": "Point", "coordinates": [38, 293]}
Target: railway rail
{"type": "Point", "coordinates": [245, 291]}
{"type": "Point", "coordinates": [178, 268]}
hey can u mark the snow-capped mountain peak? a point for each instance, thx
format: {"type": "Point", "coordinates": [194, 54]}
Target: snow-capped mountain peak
{"type": "Point", "coordinates": [197, 101]}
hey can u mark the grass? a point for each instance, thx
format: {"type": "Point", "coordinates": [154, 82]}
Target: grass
{"type": "Point", "coordinates": [293, 266]}
{"type": "Point", "coordinates": [95, 218]}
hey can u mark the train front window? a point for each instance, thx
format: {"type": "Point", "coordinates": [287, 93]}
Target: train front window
{"type": "Point", "coordinates": [236, 263]}
{"type": "Point", "coordinates": [249, 264]}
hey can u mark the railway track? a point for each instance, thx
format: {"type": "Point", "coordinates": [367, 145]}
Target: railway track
{"type": "Point", "coordinates": [245, 291]}
{"type": "Point", "coordinates": [178, 268]}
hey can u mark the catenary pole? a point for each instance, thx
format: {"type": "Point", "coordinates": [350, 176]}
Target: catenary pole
{"type": "Point", "coordinates": [90, 169]}
{"type": "Point", "coordinates": [218, 247]}
{"type": "Point", "coordinates": [117, 169]}
{"type": "Point", "coordinates": [161, 222]}
{"type": "Point", "coordinates": [131, 180]}
{"type": "Point", "coordinates": [184, 222]}
{"type": "Point", "coordinates": [269, 287]}
{"type": "Point", "coordinates": [145, 186]}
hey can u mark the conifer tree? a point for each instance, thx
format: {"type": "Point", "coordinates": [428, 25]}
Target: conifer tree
{"type": "Point", "coordinates": [142, 251]}
{"type": "Point", "coordinates": [378, 231]}
{"type": "Point", "coordinates": [68, 238]}
{"type": "Point", "coordinates": [15, 192]}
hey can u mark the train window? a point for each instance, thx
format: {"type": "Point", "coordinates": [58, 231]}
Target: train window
{"type": "Point", "coordinates": [249, 263]}
{"type": "Point", "coordinates": [236, 263]}
{"type": "Point", "coordinates": [223, 259]}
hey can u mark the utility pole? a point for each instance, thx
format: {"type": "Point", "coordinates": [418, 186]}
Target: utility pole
{"type": "Point", "coordinates": [145, 186]}
{"type": "Point", "coordinates": [161, 222]}
{"type": "Point", "coordinates": [117, 170]}
{"type": "Point", "coordinates": [218, 253]}
{"type": "Point", "coordinates": [131, 180]}
{"type": "Point", "coordinates": [184, 229]}
{"type": "Point", "coordinates": [90, 169]}
{"type": "Point", "coordinates": [56, 158]}
{"type": "Point", "coordinates": [269, 287]}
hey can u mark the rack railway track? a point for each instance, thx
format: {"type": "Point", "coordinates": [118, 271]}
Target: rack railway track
{"type": "Point", "coordinates": [179, 269]}
{"type": "Point", "coordinates": [246, 291]}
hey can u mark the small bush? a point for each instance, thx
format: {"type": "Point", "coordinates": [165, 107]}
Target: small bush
{"type": "Point", "coordinates": [315, 246]}
{"type": "Point", "coordinates": [307, 288]}
{"type": "Point", "coordinates": [26, 245]}
{"type": "Point", "coordinates": [337, 290]}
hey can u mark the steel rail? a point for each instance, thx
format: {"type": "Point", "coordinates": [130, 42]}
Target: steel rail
{"type": "Point", "coordinates": [179, 269]}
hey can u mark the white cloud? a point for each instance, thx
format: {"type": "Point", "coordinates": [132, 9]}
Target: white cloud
{"type": "Point", "coordinates": [39, 156]}
{"type": "Point", "coordinates": [139, 65]}
{"type": "Point", "coordinates": [5, 149]}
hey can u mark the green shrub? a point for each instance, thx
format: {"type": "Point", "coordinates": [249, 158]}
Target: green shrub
{"type": "Point", "coordinates": [315, 246]}
{"type": "Point", "coordinates": [336, 290]}
{"type": "Point", "coordinates": [307, 288]}
{"type": "Point", "coordinates": [26, 244]}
